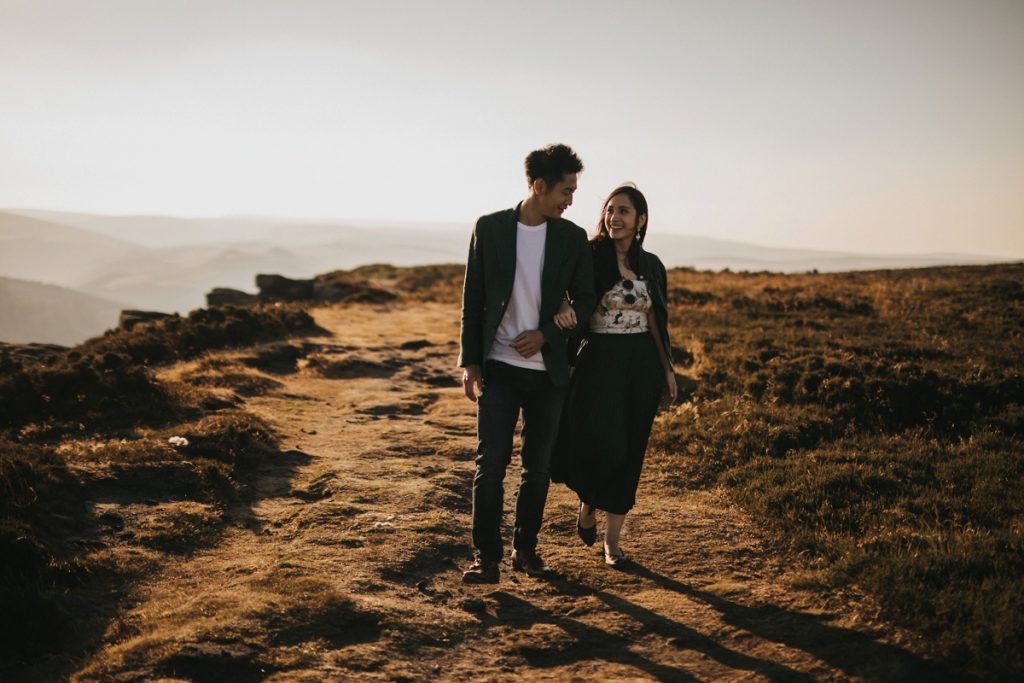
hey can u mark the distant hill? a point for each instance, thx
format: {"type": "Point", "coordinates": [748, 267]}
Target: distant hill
{"type": "Point", "coordinates": [35, 312]}
{"type": "Point", "coordinates": [159, 231]}
{"type": "Point", "coordinates": [345, 244]}
{"type": "Point", "coordinates": [707, 253]}
{"type": "Point", "coordinates": [171, 231]}
{"type": "Point", "coordinates": [42, 250]}
{"type": "Point", "coordinates": [169, 263]}
{"type": "Point", "coordinates": [177, 278]}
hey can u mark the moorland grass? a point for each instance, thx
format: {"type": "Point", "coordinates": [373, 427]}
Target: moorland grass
{"type": "Point", "coordinates": [873, 423]}
{"type": "Point", "coordinates": [442, 283]}
{"type": "Point", "coordinates": [105, 383]}
{"type": "Point", "coordinates": [53, 583]}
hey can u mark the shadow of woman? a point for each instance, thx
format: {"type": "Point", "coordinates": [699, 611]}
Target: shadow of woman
{"type": "Point", "coordinates": [588, 642]}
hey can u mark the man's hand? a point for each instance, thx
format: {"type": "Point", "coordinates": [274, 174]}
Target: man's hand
{"type": "Point", "coordinates": [471, 376]}
{"type": "Point", "coordinates": [566, 316]}
{"type": "Point", "coordinates": [528, 343]}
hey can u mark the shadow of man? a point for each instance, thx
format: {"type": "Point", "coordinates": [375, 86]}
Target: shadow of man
{"type": "Point", "coordinates": [592, 642]}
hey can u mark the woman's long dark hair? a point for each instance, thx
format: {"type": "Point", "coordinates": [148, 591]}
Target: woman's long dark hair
{"type": "Point", "coordinates": [606, 267]}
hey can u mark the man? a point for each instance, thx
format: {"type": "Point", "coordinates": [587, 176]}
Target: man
{"type": "Point", "coordinates": [522, 263]}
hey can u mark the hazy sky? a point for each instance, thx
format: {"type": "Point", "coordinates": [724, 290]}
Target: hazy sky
{"type": "Point", "coordinates": [884, 126]}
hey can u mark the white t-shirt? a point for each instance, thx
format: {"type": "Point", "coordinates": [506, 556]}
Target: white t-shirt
{"type": "Point", "coordinates": [523, 312]}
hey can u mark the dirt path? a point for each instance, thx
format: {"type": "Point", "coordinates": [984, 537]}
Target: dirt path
{"type": "Point", "coordinates": [344, 559]}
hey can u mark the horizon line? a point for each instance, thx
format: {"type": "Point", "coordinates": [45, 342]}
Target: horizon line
{"type": "Point", "coordinates": [352, 223]}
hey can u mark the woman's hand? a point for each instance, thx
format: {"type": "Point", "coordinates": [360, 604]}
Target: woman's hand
{"type": "Point", "coordinates": [566, 316]}
{"type": "Point", "coordinates": [671, 392]}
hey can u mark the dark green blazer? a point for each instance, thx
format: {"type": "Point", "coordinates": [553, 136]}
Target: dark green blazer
{"type": "Point", "coordinates": [491, 271]}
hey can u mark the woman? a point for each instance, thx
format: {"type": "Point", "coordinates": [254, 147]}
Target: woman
{"type": "Point", "coordinates": [623, 371]}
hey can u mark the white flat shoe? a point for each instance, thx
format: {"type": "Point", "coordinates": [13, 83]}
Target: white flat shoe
{"type": "Point", "coordinates": [616, 561]}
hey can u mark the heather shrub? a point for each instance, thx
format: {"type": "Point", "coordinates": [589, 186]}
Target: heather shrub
{"type": "Point", "coordinates": [105, 383]}
{"type": "Point", "coordinates": [78, 393]}
{"type": "Point", "coordinates": [41, 505]}
{"type": "Point", "coordinates": [354, 286]}
{"type": "Point", "coordinates": [871, 422]}
{"type": "Point", "coordinates": [203, 330]}
{"type": "Point", "coordinates": [236, 438]}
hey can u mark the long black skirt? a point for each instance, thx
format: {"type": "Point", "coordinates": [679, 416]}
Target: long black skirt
{"type": "Point", "coordinates": [612, 401]}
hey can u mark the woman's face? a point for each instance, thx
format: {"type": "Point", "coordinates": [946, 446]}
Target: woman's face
{"type": "Point", "coordinates": [620, 219]}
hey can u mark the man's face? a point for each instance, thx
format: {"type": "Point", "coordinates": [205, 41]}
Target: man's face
{"type": "Point", "coordinates": [554, 200]}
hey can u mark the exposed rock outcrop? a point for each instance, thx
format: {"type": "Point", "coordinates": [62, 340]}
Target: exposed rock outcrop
{"type": "Point", "coordinates": [30, 352]}
{"type": "Point", "coordinates": [224, 296]}
{"type": "Point", "coordinates": [131, 318]}
{"type": "Point", "coordinates": [338, 286]}
{"type": "Point", "coordinates": [280, 288]}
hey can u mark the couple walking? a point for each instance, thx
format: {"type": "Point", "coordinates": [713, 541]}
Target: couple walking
{"type": "Point", "coordinates": [539, 297]}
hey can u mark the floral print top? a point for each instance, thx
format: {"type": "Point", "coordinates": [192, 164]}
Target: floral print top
{"type": "Point", "coordinates": [622, 309]}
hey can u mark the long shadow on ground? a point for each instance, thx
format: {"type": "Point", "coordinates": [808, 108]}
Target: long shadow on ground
{"type": "Point", "coordinates": [594, 643]}
{"type": "Point", "coordinates": [852, 652]}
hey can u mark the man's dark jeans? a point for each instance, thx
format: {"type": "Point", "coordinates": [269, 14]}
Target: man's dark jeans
{"type": "Point", "coordinates": [507, 389]}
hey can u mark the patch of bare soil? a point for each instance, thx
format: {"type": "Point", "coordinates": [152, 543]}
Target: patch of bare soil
{"type": "Point", "coordinates": [343, 560]}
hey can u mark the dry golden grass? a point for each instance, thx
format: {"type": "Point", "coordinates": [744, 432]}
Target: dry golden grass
{"type": "Point", "coordinates": [872, 422]}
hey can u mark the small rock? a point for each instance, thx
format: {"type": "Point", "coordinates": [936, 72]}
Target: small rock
{"type": "Point", "coordinates": [475, 605]}
{"type": "Point", "coordinates": [224, 296]}
{"type": "Point", "coordinates": [279, 288]}
{"type": "Point", "coordinates": [113, 520]}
